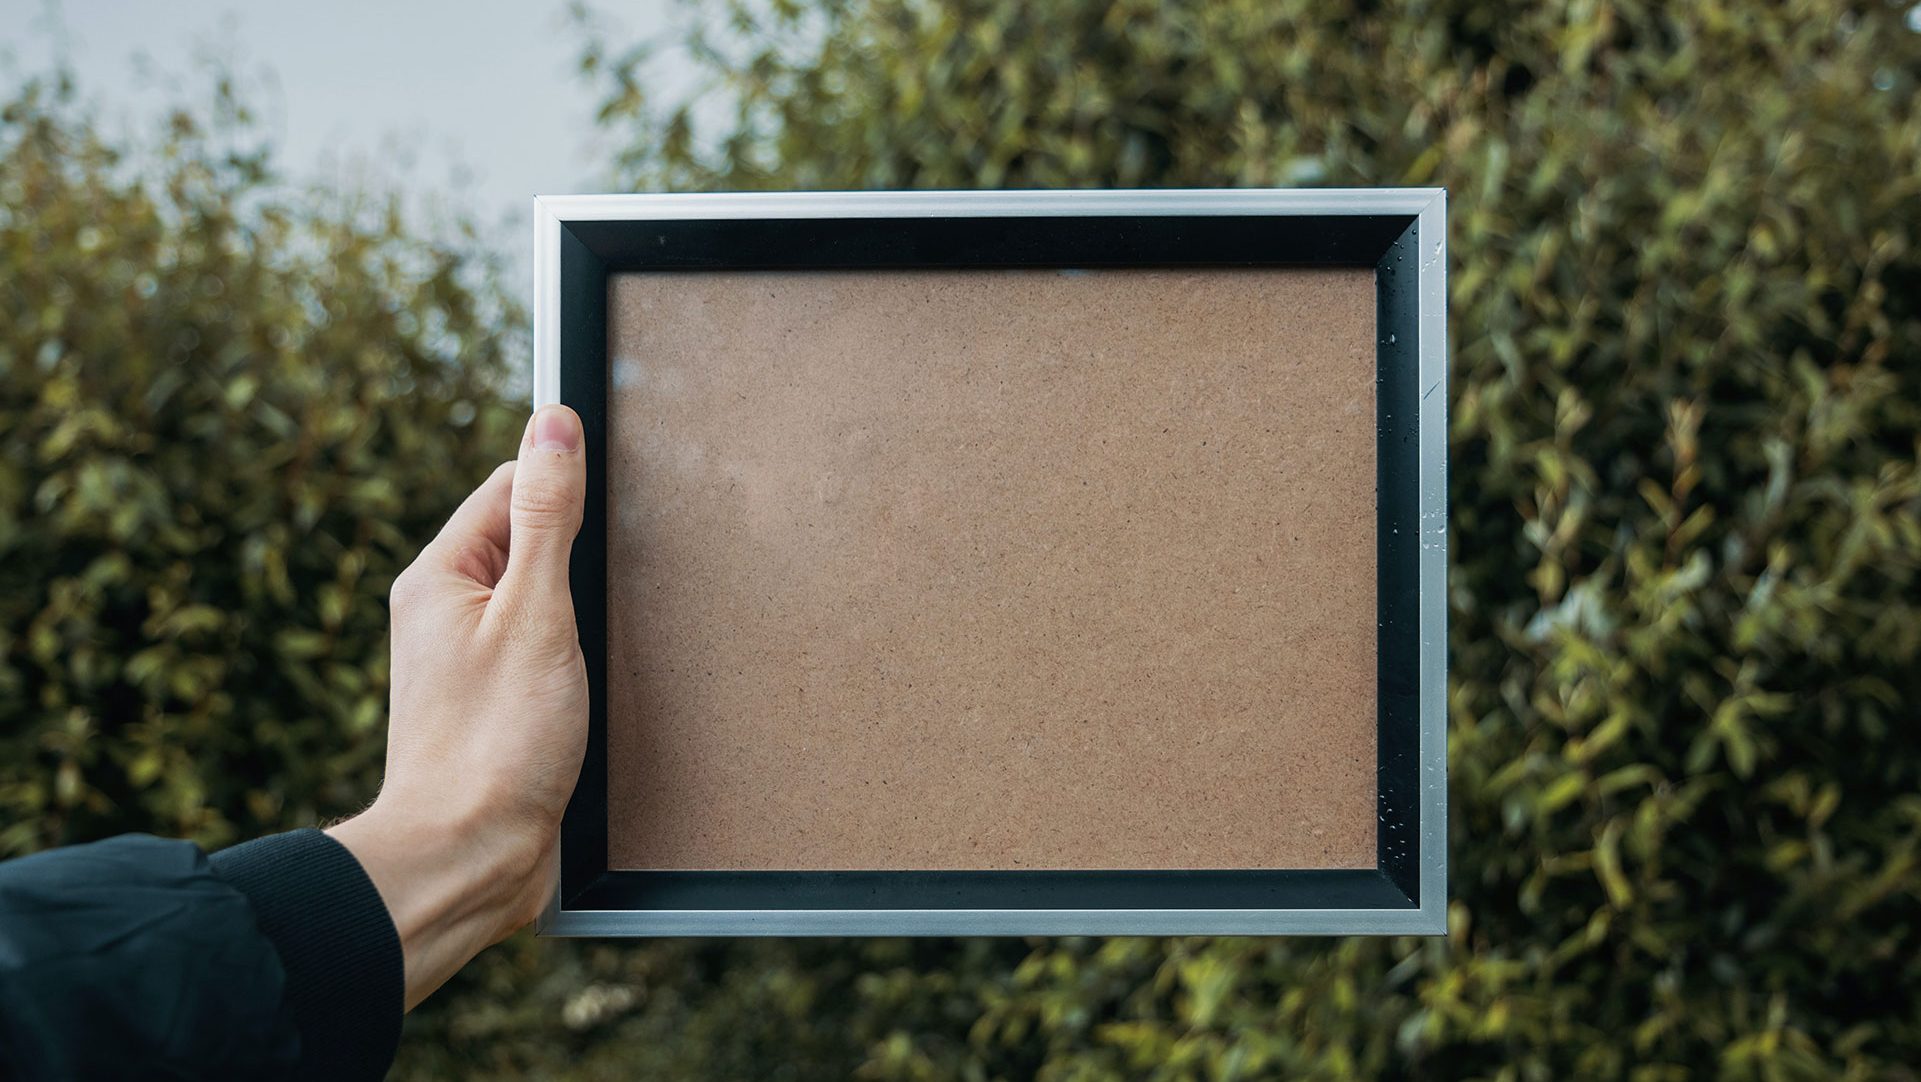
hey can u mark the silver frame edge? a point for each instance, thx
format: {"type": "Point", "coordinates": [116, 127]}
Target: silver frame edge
{"type": "Point", "coordinates": [981, 922]}
{"type": "Point", "coordinates": [1428, 205]}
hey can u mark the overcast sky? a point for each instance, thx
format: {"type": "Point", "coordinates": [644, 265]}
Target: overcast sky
{"type": "Point", "coordinates": [474, 102]}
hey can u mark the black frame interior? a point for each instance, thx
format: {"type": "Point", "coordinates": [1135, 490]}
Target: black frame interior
{"type": "Point", "coordinates": [591, 250]}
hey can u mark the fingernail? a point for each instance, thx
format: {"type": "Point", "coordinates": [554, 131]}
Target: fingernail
{"type": "Point", "coordinates": [556, 429]}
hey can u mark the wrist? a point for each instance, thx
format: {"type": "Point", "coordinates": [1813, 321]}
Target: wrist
{"type": "Point", "coordinates": [453, 884]}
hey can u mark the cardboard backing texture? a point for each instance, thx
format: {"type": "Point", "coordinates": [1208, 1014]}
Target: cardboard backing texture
{"type": "Point", "coordinates": [991, 569]}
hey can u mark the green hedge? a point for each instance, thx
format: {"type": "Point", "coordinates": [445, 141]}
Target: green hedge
{"type": "Point", "coordinates": [1686, 329]}
{"type": "Point", "coordinates": [228, 417]}
{"type": "Point", "coordinates": [1686, 322]}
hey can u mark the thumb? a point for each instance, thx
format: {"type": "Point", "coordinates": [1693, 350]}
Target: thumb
{"type": "Point", "coordinates": [550, 487]}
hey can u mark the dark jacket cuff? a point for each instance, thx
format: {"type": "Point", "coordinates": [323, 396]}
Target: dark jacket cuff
{"type": "Point", "coordinates": [345, 980]}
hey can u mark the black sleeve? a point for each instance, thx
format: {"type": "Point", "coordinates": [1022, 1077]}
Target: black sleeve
{"type": "Point", "coordinates": [140, 957]}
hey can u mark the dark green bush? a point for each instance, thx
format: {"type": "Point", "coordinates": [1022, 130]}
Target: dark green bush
{"type": "Point", "coordinates": [227, 418]}
{"type": "Point", "coordinates": [1686, 649]}
{"type": "Point", "coordinates": [1686, 318]}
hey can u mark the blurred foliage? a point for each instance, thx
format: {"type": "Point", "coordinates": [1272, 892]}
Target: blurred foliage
{"type": "Point", "coordinates": [1686, 641]}
{"type": "Point", "coordinates": [1686, 320]}
{"type": "Point", "coordinates": [228, 416]}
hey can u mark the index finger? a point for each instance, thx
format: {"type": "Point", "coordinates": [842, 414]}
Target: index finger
{"type": "Point", "coordinates": [473, 543]}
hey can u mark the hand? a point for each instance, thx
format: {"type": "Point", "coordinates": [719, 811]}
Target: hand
{"type": "Point", "coordinates": [488, 719]}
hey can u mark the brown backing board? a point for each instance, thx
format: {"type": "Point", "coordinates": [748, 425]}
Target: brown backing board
{"type": "Point", "coordinates": [984, 569]}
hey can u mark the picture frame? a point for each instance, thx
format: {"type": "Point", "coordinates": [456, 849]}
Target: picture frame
{"type": "Point", "coordinates": [1398, 232]}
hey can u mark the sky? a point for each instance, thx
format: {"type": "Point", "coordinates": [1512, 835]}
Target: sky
{"type": "Point", "coordinates": [472, 104]}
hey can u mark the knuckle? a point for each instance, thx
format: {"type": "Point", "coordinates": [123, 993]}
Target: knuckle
{"type": "Point", "coordinates": [535, 615]}
{"type": "Point", "coordinates": [533, 630]}
{"type": "Point", "coordinates": [545, 502]}
{"type": "Point", "coordinates": [407, 590]}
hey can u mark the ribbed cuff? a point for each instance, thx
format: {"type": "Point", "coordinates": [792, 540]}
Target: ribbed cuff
{"type": "Point", "coordinates": [346, 982]}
